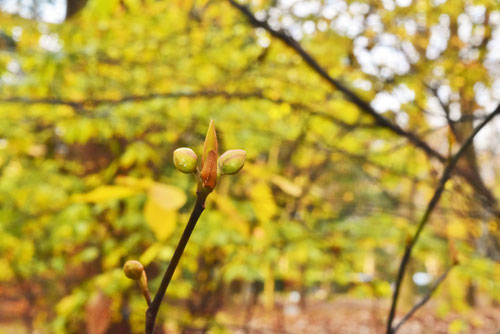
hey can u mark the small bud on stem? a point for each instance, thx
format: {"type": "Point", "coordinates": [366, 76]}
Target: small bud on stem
{"type": "Point", "coordinates": [211, 169]}
{"type": "Point", "coordinates": [135, 271]}
{"type": "Point", "coordinates": [232, 161]}
{"type": "Point", "coordinates": [185, 160]}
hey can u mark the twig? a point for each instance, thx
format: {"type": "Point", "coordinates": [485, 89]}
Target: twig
{"type": "Point", "coordinates": [425, 218]}
{"type": "Point", "coordinates": [365, 106]}
{"type": "Point", "coordinates": [80, 104]}
{"type": "Point", "coordinates": [129, 98]}
{"type": "Point", "coordinates": [424, 300]}
{"type": "Point", "coordinates": [489, 202]}
{"type": "Point", "coordinates": [152, 310]}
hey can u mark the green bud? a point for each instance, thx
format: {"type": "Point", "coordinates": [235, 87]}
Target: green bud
{"type": "Point", "coordinates": [232, 161]}
{"type": "Point", "coordinates": [133, 269]}
{"type": "Point", "coordinates": [185, 160]}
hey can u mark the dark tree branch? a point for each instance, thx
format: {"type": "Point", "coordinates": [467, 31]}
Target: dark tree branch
{"type": "Point", "coordinates": [153, 308]}
{"type": "Point", "coordinates": [489, 202]}
{"type": "Point", "coordinates": [336, 84]}
{"type": "Point", "coordinates": [425, 218]}
{"type": "Point", "coordinates": [51, 101]}
{"type": "Point", "coordinates": [130, 98]}
{"type": "Point", "coordinates": [446, 110]}
{"type": "Point", "coordinates": [423, 301]}
{"type": "Point", "coordinates": [80, 106]}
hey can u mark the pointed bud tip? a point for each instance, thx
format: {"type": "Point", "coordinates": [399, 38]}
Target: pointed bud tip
{"type": "Point", "coordinates": [133, 269]}
{"type": "Point", "coordinates": [210, 143]}
{"type": "Point", "coordinates": [185, 160]}
{"type": "Point", "coordinates": [232, 161]}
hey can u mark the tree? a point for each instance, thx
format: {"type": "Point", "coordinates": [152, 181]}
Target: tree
{"type": "Point", "coordinates": [349, 112]}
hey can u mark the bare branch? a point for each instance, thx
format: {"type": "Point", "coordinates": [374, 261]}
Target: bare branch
{"type": "Point", "coordinates": [430, 208]}
{"type": "Point", "coordinates": [154, 306]}
{"type": "Point", "coordinates": [82, 105]}
{"type": "Point", "coordinates": [336, 84]}
{"type": "Point", "coordinates": [489, 201]}
{"type": "Point", "coordinates": [423, 301]}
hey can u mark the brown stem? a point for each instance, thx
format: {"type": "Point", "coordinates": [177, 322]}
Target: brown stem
{"type": "Point", "coordinates": [423, 300]}
{"type": "Point", "coordinates": [425, 218]}
{"type": "Point", "coordinates": [152, 310]}
{"type": "Point", "coordinates": [143, 285]}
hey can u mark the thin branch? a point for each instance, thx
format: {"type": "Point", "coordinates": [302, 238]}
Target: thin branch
{"type": "Point", "coordinates": [336, 84]}
{"type": "Point", "coordinates": [425, 218]}
{"type": "Point", "coordinates": [130, 98]}
{"type": "Point", "coordinates": [423, 301]}
{"type": "Point", "coordinates": [153, 308]}
{"type": "Point", "coordinates": [79, 106]}
{"type": "Point", "coordinates": [490, 201]}
{"type": "Point", "coordinates": [51, 101]}
{"type": "Point", "coordinates": [446, 110]}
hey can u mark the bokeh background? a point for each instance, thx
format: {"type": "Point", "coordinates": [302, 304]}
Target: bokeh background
{"type": "Point", "coordinates": [95, 96]}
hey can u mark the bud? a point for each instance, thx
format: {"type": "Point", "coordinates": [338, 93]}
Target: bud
{"type": "Point", "coordinates": [232, 161]}
{"type": "Point", "coordinates": [208, 173]}
{"type": "Point", "coordinates": [210, 143]}
{"type": "Point", "coordinates": [185, 160]}
{"type": "Point", "coordinates": [133, 269]}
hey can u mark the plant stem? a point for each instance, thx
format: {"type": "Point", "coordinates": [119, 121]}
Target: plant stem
{"type": "Point", "coordinates": [428, 211]}
{"type": "Point", "coordinates": [424, 300]}
{"type": "Point", "coordinates": [152, 310]}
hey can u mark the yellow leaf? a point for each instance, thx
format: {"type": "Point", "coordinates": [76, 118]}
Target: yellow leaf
{"type": "Point", "coordinates": [456, 229]}
{"type": "Point", "coordinates": [225, 206]}
{"type": "Point", "coordinates": [168, 197]}
{"type": "Point", "coordinates": [6, 272]}
{"type": "Point", "coordinates": [263, 202]}
{"type": "Point", "coordinates": [150, 253]}
{"type": "Point", "coordinates": [286, 185]}
{"type": "Point", "coordinates": [105, 193]}
{"type": "Point", "coordinates": [130, 181]}
{"type": "Point", "coordinates": [160, 220]}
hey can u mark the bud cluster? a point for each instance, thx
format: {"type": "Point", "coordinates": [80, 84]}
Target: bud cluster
{"type": "Point", "coordinates": [212, 166]}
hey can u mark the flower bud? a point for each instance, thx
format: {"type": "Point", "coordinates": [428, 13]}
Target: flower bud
{"type": "Point", "coordinates": [185, 160]}
{"type": "Point", "coordinates": [232, 161]}
{"type": "Point", "coordinates": [133, 269]}
{"type": "Point", "coordinates": [208, 173]}
{"type": "Point", "coordinates": [210, 143]}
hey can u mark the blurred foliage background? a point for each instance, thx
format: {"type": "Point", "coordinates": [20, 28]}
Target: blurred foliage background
{"type": "Point", "coordinates": [95, 96]}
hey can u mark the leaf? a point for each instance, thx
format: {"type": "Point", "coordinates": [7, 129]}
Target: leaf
{"type": "Point", "coordinates": [105, 193]}
{"type": "Point", "coordinates": [161, 221]}
{"type": "Point", "coordinates": [70, 303]}
{"type": "Point", "coordinates": [263, 202]}
{"type": "Point", "coordinates": [130, 181]}
{"type": "Point", "coordinates": [98, 314]}
{"type": "Point", "coordinates": [6, 272]}
{"type": "Point", "coordinates": [456, 229]}
{"type": "Point", "coordinates": [286, 185]}
{"type": "Point", "coordinates": [150, 253]}
{"type": "Point", "coordinates": [168, 197]}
